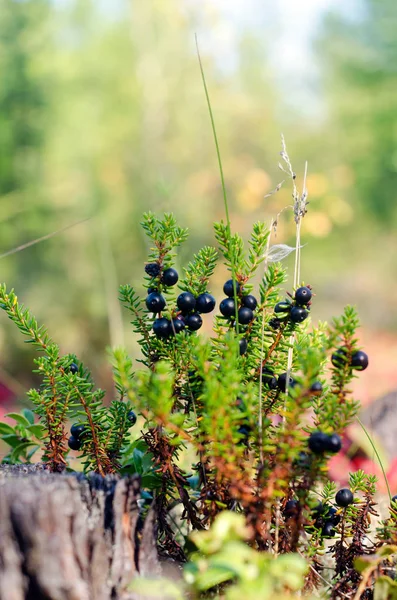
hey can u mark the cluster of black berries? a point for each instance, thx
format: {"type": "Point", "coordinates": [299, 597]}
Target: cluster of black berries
{"type": "Point", "coordinates": [342, 357]}
{"type": "Point", "coordinates": [297, 311]}
{"type": "Point", "coordinates": [77, 430]}
{"type": "Point", "coordinates": [320, 442]}
{"type": "Point", "coordinates": [327, 517]}
{"type": "Point", "coordinates": [245, 312]}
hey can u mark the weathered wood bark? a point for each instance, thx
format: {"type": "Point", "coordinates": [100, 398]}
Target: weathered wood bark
{"type": "Point", "coordinates": [70, 537]}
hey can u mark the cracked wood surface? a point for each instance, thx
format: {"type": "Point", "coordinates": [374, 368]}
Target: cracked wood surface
{"type": "Point", "coordinates": [71, 537]}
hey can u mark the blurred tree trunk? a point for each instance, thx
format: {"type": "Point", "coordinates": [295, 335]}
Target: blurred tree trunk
{"type": "Point", "coordinates": [71, 537]}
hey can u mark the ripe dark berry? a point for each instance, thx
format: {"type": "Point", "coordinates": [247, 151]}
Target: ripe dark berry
{"type": "Point", "coordinates": [394, 499]}
{"type": "Point", "coordinates": [282, 307]}
{"type": "Point", "coordinates": [328, 529]}
{"type": "Point", "coordinates": [331, 515]}
{"type": "Point", "coordinates": [334, 443]}
{"type": "Point", "coordinates": [194, 321]}
{"type": "Point", "coordinates": [269, 379]}
{"type": "Point", "coordinates": [151, 290]}
{"type": "Point", "coordinates": [152, 269]}
{"type": "Point", "coordinates": [228, 288]}
{"type": "Point", "coordinates": [205, 303]}
{"type": "Point", "coordinates": [316, 388]}
{"type": "Point", "coordinates": [340, 358]}
{"type": "Point", "coordinates": [161, 327]}
{"type": "Point", "coordinates": [318, 442]}
{"type": "Point", "coordinates": [282, 382]}
{"type": "Point", "coordinates": [250, 302]}
{"type": "Point", "coordinates": [359, 360]}
{"type": "Point", "coordinates": [155, 302]}
{"type": "Point", "coordinates": [245, 315]}
{"type": "Point", "coordinates": [186, 302]}
{"type": "Point", "coordinates": [344, 497]}
{"type": "Point", "coordinates": [303, 295]}
{"type": "Point", "coordinates": [298, 314]}
{"type": "Point", "coordinates": [131, 416]}
{"type": "Point", "coordinates": [74, 443]}
{"type": "Point", "coordinates": [73, 368]}
{"type": "Point", "coordinates": [77, 429]}
{"type": "Point", "coordinates": [176, 326]}
{"type": "Point", "coordinates": [243, 345]}
{"type": "Point", "coordinates": [227, 307]}
{"type": "Point", "coordinates": [318, 510]}
{"type": "Point", "coordinates": [274, 323]}
{"type": "Point", "coordinates": [169, 277]}
{"type": "Point", "coordinates": [291, 509]}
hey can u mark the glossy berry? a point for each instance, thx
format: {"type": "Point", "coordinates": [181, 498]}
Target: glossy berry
{"type": "Point", "coordinates": [151, 290]}
{"type": "Point", "coordinates": [282, 307]}
{"type": "Point", "coordinates": [227, 307]}
{"type": "Point", "coordinates": [282, 382]}
{"type": "Point", "coordinates": [73, 368]}
{"type": "Point", "coordinates": [318, 442]}
{"type": "Point", "coordinates": [186, 302]}
{"type": "Point", "coordinates": [205, 303]}
{"type": "Point", "coordinates": [340, 358]}
{"type": "Point", "coordinates": [74, 443]}
{"type": "Point", "coordinates": [250, 302]}
{"type": "Point", "coordinates": [131, 416]}
{"type": "Point", "coordinates": [161, 327]}
{"type": "Point", "coordinates": [228, 288]}
{"type": "Point", "coordinates": [245, 315]}
{"type": "Point", "coordinates": [169, 277]}
{"type": "Point", "coordinates": [193, 321]}
{"type": "Point", "coordinates": [298, 314]}
{"type": "Point", "coordinates": [291, 509]}
{"type": "Point", "coordinates": [152, 269]}
{"type": "Point", "coordinates": [316, 388]}
{"type": "Point", "coordinates": [77, 429]}
{"type": "Point", "coordinates": [155, 302]}
{"type": "Point", "coordinates": [334, 443]}
{"type": "Point", "coordinates": [176, 326]}
{"type": "Point", "coordinates": [359, 360]}
{"type": "Point", "coordinates": [344, 497]}
{"type": "Point", "coordinates": [243, 345]}
{"type": "Point", "coordinates": [328, 529]}
{"type": "Point", "coordinates": [303, 295]}
{"type": "Point", "coordinates": [332, 515]}
{"type": "Point", "coordinates": [269, 379]}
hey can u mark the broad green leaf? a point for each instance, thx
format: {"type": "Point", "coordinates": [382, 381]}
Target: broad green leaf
{"type": "Point", "coordinates": [21, 419]}
{"type": "Point", "coordinates": [29, 414]}
{"type": "Point", "coordinates": [6, 429]}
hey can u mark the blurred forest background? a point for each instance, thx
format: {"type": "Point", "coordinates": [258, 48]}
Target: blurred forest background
{"type": "Point", "coordinates": [103, 116]}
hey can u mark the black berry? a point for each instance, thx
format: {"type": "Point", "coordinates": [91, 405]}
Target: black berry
{"type": "Point", "coordinates": [152, 269]}
{"type": "Point", "coordinates": [73, 368]}
{"type": "Point", "coordinates": [205, 303]}
{"type": "Point", "coordinates": [298, 314]}
{"type": "Point", "coordinates": [155, 302]}
{"type": "Point", "coordinates": [340, 358]}
{"type": "Point", "coordinates": [328, 529]}
{"type": "Point", "coordinates": [318, 510]}
{"type": "Point", "coordinates": [274, 323]}
{"type": "Point", "coordinates": [359, 360]}
{"type": "Point", "coordinates": [282, 382]}
{"type": "Point", "coordinates": [291, 509]}
{"type": "Point", "coordinates": [344, 497]}
{"type": "Point", "coordinates": [177, 325]}
{"type": "Point", "coordinates": [132, 417]}
{"type": "Point", "coordinates": [169, 277]}
{"type": "Point", "coordinates": [250, 302]}
{"type": "Point", "coordinates": [243, 345]}
{"type": "Point", "coordinates": [161, 327]}
{"type": "Point", "coordinates": [331, 514]}
{"type": "Point", "coordinates": [151, 290]}
{"type": "Point", "coordinates": [303, 295]}
{"type": "Point", "coordinates": [334, 443]}
{"type": "Point", "coordinates": [318, 442]}
{"type": "Point", "coordinates": [76, 430]}
{"type": "Point", "coordinates": [269, 379]}
{"type": "Point", "coordinates": [193, 321]}
{"type": "Point", "coordinates": [227, 307]}
{"type": "Point", "coordinates": [228, 288]}
{"type": "Point", "coordinates": [316, 388]}
{"type": "Point", "coordinates": [394, 499]}
{"type": "Point", "coordinates": [186, 302]}
{"type": "Point", "coordinates": [74, 443]}
{"type": "Point", "coordinates": [282, 307]}
{"type": "Point", "coordinates": [245, 315]}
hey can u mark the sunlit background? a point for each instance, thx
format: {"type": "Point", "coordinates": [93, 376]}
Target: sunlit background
{"type": "Point", "coordinates": [103, 116]}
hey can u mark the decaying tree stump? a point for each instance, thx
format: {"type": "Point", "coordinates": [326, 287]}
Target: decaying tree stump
{"type": "Point", "coordinates": [71, 537]}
